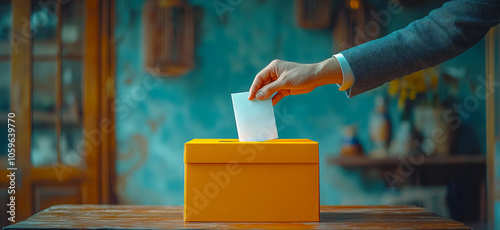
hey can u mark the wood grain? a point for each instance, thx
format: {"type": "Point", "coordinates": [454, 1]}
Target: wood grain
{"type": "Point", "coordinates": [170, 217]}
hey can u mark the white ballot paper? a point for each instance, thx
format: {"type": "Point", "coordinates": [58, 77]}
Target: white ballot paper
{"type": "Point", "coordinates": [254, 119]}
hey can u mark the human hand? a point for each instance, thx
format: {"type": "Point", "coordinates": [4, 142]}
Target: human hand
{"type": "Point", "coordinates": [290, 78]}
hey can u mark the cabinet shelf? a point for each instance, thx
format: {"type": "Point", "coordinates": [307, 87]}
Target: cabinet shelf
{"type": "Point", "coordinates": [55, 58]}
{"type": "Point", "coordinates": [50, 50]}
{"type": "Point", "coordinates": [364, 161]}
{"type": "Point", "coordinates": [43, 117]}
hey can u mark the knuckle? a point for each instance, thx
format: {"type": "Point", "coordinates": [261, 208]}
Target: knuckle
{"type": "Point", "coordinates": [275, 62]}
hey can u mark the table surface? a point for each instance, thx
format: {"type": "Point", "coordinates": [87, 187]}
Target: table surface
{"type": "Point", "coordinates": [170, 217]}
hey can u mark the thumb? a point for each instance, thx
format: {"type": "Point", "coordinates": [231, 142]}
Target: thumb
{"type": "Point", "coordinates": [268, 90]}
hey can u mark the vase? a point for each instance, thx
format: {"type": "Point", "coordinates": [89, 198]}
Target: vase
{"type": "Point", "coordinates": [380, 129]}
{"type": "Point", "coordinates": [437, 134]}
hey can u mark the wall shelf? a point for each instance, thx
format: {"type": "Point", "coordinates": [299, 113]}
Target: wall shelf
{"type": "Point", "coordinates": [364, 161]}
{"type": "Point", "coordinates": [462, 175]}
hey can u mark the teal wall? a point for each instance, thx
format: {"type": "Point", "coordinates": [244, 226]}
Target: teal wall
{"type": "Point", "coordinates": [153, 123]}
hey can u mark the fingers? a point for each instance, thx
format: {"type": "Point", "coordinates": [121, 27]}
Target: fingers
{"type": "Point", "coordinates": [269, 80]}
{"type": "Point", "coordinates": [268, 90]}
{"type": "Point", "coordinates": [280, 95]}
{"type": "Point", "coordinates": [264, 77]}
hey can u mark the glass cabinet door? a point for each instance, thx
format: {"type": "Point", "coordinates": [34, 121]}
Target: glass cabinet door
{"type": "Point", "coordinates": [5, 66]}
{"type": "Point", "coordinates": [71, 84]}
{"type": "Point", "coordinates": [57, 83]}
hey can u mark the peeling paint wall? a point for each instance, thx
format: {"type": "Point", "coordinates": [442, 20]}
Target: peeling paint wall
{"type": "Point", "coordinates": [154, 122]}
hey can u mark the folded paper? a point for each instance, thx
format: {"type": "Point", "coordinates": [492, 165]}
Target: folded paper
{"type": "Point", "coordinates": [254, 119]}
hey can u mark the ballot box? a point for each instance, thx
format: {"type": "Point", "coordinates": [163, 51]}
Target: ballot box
{"type": "Point", "coordinates": [269, 181]}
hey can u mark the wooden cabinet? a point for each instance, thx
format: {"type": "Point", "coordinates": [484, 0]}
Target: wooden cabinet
{"type": "Point", "coordinates": [58, 56]}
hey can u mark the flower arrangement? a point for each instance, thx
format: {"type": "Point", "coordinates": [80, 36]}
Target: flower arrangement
{"type": "Point", "coordinates": [408, 88]}
{"type": "Point", "coordinates": [423, 97]}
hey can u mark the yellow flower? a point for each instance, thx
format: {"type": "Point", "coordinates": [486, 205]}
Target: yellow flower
{"type": "Point", "coordinates": [394, 87]}
{"type": "Point", "coordinates": [411, 85]}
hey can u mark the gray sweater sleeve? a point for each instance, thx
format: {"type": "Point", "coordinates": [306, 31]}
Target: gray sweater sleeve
{"type": "Point", "coordinates": [443, 34]}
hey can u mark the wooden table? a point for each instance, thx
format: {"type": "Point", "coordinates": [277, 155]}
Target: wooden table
{"type": "Point", "coordinates": [170, 217]}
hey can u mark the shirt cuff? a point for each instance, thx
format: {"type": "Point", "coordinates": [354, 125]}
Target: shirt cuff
{"type": "Point", "coordinates": [347, 76]}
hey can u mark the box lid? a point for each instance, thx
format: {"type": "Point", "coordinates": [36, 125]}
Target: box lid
{"type": "Point", "coordinates": [231, 150]}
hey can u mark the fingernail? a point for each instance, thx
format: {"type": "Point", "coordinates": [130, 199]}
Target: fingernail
{"type": "Point", "coordinates": [260, 95]}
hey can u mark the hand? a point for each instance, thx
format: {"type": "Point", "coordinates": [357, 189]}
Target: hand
{"type": "Point", "coordinates": [289, 78]}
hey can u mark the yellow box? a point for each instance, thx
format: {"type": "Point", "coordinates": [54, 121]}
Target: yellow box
{"type": "Point", "coordinates": [270, 181]}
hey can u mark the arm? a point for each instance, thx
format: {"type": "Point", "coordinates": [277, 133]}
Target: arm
{"type": "Point", "coordinates": [443, 34]}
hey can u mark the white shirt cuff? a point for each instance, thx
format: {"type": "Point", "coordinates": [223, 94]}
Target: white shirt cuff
{"type": "Point", "coordinates": [347, 76]}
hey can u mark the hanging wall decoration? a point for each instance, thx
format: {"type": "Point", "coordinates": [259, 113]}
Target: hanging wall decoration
{"type": "Point", "coordinates": [168, 37]}
{"type": "Point", "coordinates": [313, 14]}
{"type": "Point", "coordinates": [353, 26]}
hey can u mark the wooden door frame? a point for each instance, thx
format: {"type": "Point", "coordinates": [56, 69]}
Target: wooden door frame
{"type": "Point", "coordinates": [108, 73]}
{"type": "Point", "coordinates": [91, 100]}
{"type": "Point", "coordinates": [21, 86]}
{"type": "Point", "coordinates": [99, 94]}
{"type": "Point", "coordinates": [101, 62]}
{"type": "Point", "coordinates": [490, 126]}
